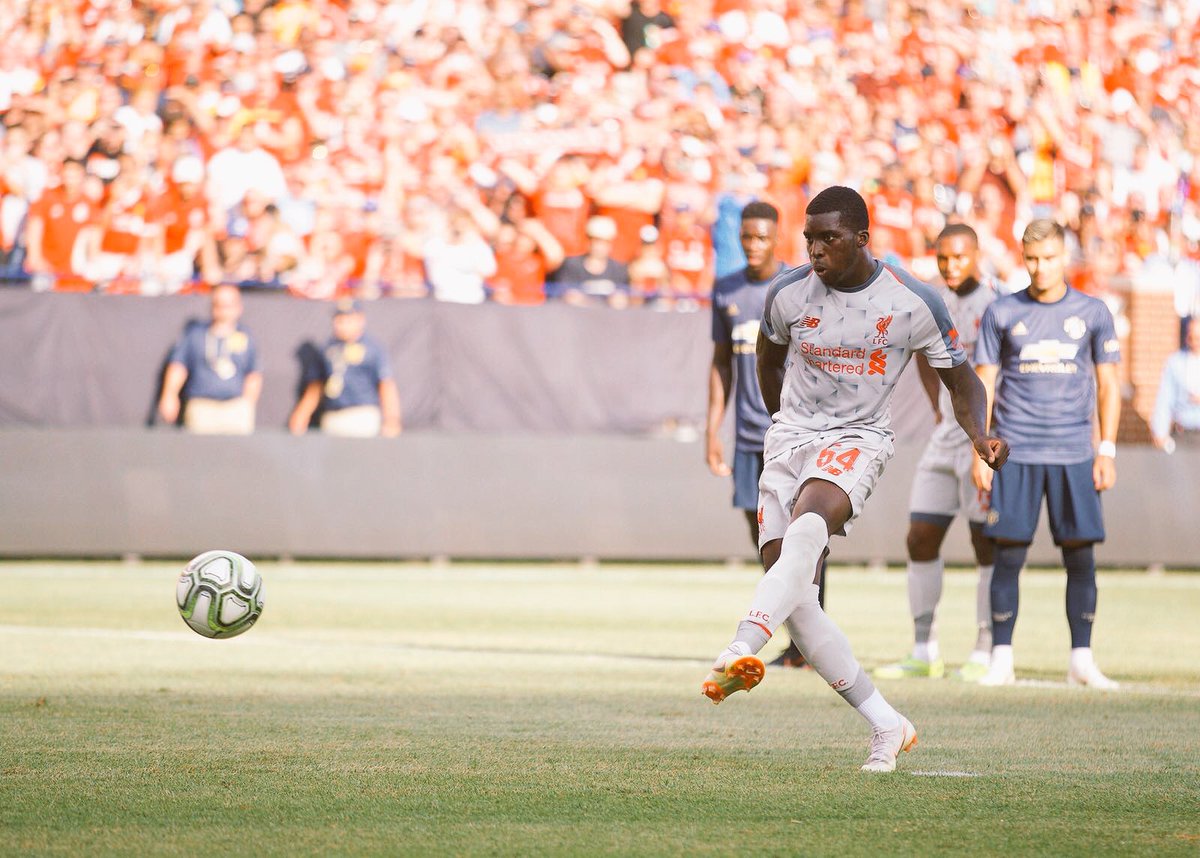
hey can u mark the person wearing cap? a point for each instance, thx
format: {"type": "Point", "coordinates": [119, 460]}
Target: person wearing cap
{"type": "Point", "coordinates": [649, 277]}
{"type": "Point", "coordinates": [212, 375]}
{"type": "Point", "coordinates": [179, 228]}
{"type": "Point", "coordinates": [351, 383]}
{"type": "Point", "coordinates": [594, 276]}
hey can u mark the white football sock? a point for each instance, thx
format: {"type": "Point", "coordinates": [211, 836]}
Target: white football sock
{"type": "Point", "coordinates": [980, 656]}
{"type": "Point", "coordinates": [1081, 660]}
{"type": "Point", "coordinates": [926, 651]}
{"type": "Point", "coordinates": [878, 712]}
{"type": "Point", "coordinates": [983, 608]}
{"type": "Point", "coordinates": [786, 584]}
{"type": "Point", "coordinates": [924, 593]}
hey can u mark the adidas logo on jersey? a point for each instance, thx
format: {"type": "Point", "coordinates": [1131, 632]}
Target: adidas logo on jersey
{"type": "Point", "coordinates": [1019, 330]}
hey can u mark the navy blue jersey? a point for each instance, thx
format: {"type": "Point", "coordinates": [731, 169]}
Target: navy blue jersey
{"type": "Point", "coordinates": [1046, 389]}
{"type": "Point", "coordinates": [351, 373]}
{"type": "Point", "coordinates": [737, 309]}
{"type": "Point", "coordinates": [216, 366]}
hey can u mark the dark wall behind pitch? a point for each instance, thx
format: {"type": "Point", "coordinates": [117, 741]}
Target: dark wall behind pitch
{"type": "Point", "coordinates": [96, 360]}
{"type": "Point", "coordinates": [162, 492]}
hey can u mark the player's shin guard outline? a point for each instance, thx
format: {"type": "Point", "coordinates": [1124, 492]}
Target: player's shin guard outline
{"type": "Point", "coordinates": [789, 582]}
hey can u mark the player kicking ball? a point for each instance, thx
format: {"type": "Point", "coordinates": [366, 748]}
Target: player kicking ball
{"type": "Point", "coordinates": [837, 333]}
{"type": "Point", "coordinates": [944, 484]}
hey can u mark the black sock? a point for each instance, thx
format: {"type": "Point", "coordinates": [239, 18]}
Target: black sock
{"type": "Point", "coordinates": [1006, 592]}
{"type": "Point", "coordinates": [1081, 593]}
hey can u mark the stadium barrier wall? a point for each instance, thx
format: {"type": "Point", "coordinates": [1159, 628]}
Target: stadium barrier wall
{"type": "Point", "coordinates": [78, 360]}
{"type": "Point", "coordinates": [114, 492]}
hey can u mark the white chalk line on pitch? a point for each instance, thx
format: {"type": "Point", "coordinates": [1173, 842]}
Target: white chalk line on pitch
{"type": "Point", "coordinates": [945, 774]}
{"type": "Point", "coordinates": [268, 640]}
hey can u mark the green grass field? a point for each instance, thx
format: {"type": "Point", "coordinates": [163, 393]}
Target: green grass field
{"type": "Point", "coordinates": [518, 710]}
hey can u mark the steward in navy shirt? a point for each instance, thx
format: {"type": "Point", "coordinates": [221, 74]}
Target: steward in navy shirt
{"type": "Point", "coordinates": [352, 384]}
{"type": "Point", "coordinates": [212, 374]}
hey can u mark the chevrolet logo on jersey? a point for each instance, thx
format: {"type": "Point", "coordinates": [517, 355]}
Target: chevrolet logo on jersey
{"type": "Point", "coordinates": [1048, 357]}
{"type": "Point", "coordinates": [745, 337]}
{"type": "Point", "coordinates": [1048, 351]}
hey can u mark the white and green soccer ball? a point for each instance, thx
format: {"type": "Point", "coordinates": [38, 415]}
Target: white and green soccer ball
{"type": "Point", "coordinates": [220, 594]}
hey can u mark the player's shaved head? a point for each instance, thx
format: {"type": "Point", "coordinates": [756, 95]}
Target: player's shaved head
{"type": "Point", "coordinates": [843, 201]}
{"type": "Point", "coordinates": [758, 210]}
{"type": "Point", "coordinates": [959, 229]}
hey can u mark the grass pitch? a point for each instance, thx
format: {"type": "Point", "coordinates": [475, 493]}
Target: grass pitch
{"type": "Point", "coordinates": [516, 710]}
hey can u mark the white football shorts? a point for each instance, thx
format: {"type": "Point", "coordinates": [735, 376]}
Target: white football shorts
{"type": "Point", "coordinates": [849, 461]}
{"type": "Point", "coordinates": [943, 487]}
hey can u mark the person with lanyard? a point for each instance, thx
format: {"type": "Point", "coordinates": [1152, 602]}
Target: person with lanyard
{"type": "Point", "coordinates": [212, 375]}
{"type": "Point", "coordinates": [352, 383]}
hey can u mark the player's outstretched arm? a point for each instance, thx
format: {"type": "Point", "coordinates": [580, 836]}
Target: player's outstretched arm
{"type": "Point", "coordinates": [970, 399]}
{"type": "Point", "coordinates": [771, 360]}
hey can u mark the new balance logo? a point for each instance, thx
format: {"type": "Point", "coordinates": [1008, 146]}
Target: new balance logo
{"type": "Point", "coordinates": [878, 363]}
{"type": "Point", "coordinates": [810, 321]}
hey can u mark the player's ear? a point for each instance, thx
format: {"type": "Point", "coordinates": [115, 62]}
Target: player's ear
{"type": "Point", "coordinates": [864, 236]}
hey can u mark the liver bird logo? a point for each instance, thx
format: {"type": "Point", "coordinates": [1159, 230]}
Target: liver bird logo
{"type": "Point", "coordinates": [881, 326]}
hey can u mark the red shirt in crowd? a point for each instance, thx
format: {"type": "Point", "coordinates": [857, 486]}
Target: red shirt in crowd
{"type": "Point", "coordinates": [62, 219]}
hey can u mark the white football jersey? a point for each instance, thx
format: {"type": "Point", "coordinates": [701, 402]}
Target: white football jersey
{"type": "Point", "coordinates": [847, 349]}
{"type": "Point", "coordinates": [966, 313]}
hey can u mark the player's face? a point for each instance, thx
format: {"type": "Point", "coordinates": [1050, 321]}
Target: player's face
{"type": "Point", "coordinates": [957, 260]}
{"type": "Point", "coordinates": [758, 241]}
{"type": "Point", "coordinates": [1046, 262]}
{"type": "Point", "coordinates": [833, 247]}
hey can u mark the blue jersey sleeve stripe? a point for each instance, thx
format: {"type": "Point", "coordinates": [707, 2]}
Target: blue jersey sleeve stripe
{"type": "Point", "coordinates": [782, 280]}
{"type": "Point", "coordinates": [937, 309]}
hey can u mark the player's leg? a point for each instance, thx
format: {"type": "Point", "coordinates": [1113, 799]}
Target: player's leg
{"type": "Point", "coordinates": [1076, 523]}
{"type": "Point", "coordinates": [976, 503]}
{"type": "Point", "coordinates": [747, 469]}
{"type": "Point", "coordinates": [926, 533]}
{"type": "Point", "coordinates": [1016, 502]}
{"type": "Point", "coordinates": [977, 662]}
{"type": "Point", "coordinates": [789, 588]}
{"type": "Point", "coordinates": [933, 503]}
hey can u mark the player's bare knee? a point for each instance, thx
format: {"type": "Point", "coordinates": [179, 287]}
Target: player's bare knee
{"type": "Point", "coordinates": [985, 548]}
{"type": "Point", "coordinates": [924, 542]}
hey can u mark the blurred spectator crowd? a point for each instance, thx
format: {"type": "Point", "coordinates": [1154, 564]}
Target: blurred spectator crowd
{"type": "Point", "coordinates": [598, 151]}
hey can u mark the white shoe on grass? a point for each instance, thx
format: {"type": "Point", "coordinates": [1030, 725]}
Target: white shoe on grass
{"type": "Point", "coordinates": [1091, 678]}
{"type": "Point", "coordinates": [997, 675]}
{"type": "Point", "coordinates": [887, 744]}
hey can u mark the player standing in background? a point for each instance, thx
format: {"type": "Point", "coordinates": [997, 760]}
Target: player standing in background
{"type": "Point", "coordinates": [738, 301]}
{"type": "Point", "coordinates": [838, 333]}
{"type": "Point", "coordinates": [944, 484]}
{"type": "Point", "coordinates": [1054, 352]}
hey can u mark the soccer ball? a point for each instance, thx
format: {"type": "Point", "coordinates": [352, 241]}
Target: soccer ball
{"type": "Point", "coordinates": [219, 594]}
